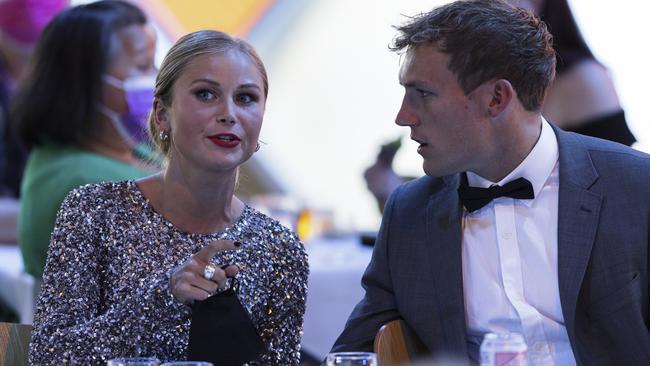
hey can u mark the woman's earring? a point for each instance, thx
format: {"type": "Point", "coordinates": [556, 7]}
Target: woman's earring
{"type": "Point", "coordinates": [163, 136]}
{"type": "Point", "coordinates": [257, 148]}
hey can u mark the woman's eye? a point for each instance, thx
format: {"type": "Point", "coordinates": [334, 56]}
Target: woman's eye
{"type": "Point", "coordinates": [204, 95]}
{"type": "Point", "coordinates": [246, 98]}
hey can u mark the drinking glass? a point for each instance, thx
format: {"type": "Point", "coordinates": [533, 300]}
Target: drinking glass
{"type": "Point", "coordinates": [134, 361]}
{"type": "Point", "coordinates": [352, 359]}
{"type": "Point", "coordinates": [187, 363]}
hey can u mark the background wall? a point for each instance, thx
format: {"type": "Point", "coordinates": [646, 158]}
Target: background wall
{"type": "Point", "coordinates": [334, 93]}
{"type": "Point", "coordinates": [334, 90]}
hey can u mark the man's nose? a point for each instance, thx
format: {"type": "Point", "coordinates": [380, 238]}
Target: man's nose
{"type": "Point", "coordinates": [406, 116]}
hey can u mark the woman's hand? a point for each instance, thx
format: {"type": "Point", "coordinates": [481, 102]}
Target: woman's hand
{"type": "Point", "coordinates": [188, 282]}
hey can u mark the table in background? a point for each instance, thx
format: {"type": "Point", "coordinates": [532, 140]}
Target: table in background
{"type": "Point", "coordinates": [336, 266]}
{"type": "Point", "coordinates": [17, 288]}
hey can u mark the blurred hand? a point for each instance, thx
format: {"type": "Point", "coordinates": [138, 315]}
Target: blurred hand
{"type": "Point", "coordinates": [381, 180]}
{"type": "Point", "coordinates": [187, 283]}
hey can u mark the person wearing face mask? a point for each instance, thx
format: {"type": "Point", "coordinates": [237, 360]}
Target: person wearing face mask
{"type": "Point", "coordinates": [82, 112]}
{"type": "Point", "coordinates": [133, 264]}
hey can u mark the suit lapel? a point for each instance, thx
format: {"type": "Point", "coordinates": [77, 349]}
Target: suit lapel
{"type": "Point", "coordinates": [578, 214]}
{"type": "Point", "coordinates": [444, 237]}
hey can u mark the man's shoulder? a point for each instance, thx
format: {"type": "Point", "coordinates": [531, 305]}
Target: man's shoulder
{"type": "Point", "coordinates": [417, 192]}
{"type": "Point", "coordinates": [419, 187]}
{"type": "Point", "coordinates": [605, 154]}
{"type": "Point", "coordinates": [613, 168]}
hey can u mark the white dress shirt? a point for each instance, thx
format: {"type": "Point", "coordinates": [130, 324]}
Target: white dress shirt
{"type": "Point", "coordinates": [510, 276]}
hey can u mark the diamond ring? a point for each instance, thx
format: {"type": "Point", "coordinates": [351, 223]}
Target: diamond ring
{"type": "Point", "coordinates": [208, 271]}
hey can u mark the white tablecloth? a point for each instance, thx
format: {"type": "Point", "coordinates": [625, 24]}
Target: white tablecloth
{"type": "Point", "coordinates": [336, 266]}
{"type": "Point", "coordinates": [17, 288]}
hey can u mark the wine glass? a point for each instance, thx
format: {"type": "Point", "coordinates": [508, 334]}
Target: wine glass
{"type": "Point", "coordinates": [187, 363]}
{"type": "Point", "coordinates": [134, 361]}
{"type": "Point", "coordinates": [352, 359]}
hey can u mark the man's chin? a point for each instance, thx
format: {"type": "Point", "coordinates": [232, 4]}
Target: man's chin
{"type": "Point", "coordinates": [435, 171]}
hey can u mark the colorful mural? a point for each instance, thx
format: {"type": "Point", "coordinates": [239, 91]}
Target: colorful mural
{"type": "Point", "coordinates": [178, 17]}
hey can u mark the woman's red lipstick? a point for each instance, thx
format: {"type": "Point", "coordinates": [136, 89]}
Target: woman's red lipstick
{"type": "Point", "coordinates": [227, 140]}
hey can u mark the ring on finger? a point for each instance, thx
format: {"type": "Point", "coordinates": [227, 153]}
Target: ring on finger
{"type": "Point", "coordinates": [209, 270]}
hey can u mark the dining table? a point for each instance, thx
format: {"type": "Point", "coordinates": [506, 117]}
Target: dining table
{"type": "Point", "coordinates": [18, 289]}
{"type": "Point", "coordinates": [336, 265]}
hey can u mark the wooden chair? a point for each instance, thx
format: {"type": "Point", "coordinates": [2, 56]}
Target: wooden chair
{"type": "Point", "coordinates": [14, 344]}
{"type": "Point", "coordinates": [397, 345]}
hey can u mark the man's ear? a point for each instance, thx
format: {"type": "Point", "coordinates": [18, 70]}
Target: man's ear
{"type": "Point", "coordinates": [501, 95]}
{"type": "Point", "coordinates": [161, 115]}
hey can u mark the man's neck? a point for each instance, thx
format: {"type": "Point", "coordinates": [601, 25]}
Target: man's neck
{"type": "Point", "coordinates": [515, 142]}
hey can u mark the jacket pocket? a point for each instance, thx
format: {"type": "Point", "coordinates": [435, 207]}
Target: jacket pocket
{"type": "Point", "coordinates": [614, 301]}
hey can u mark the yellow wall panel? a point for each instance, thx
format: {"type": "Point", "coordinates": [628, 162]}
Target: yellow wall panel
{"type": "Point", "coordinates": [177, 17]}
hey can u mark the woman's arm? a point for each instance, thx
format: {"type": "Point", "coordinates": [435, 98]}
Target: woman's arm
{"type": "Point", "coordinates": [580, 94]}
{"type": "Point", "coordinates": [291, 289]}
{"type": "Point", "coordinates": [73, 325]}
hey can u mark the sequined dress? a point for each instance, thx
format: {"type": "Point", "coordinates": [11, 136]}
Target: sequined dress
{"type": "Point", "coordinates": [105, 291]}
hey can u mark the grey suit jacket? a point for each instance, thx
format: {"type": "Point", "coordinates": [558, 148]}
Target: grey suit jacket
{"type": "Point", "coordinates": [603, 227]}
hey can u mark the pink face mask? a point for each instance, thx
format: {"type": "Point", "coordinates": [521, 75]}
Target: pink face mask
{"type": "Point", "coordinates": [24, 20]}
{"type": "Point", "coordinates": [138, 92]}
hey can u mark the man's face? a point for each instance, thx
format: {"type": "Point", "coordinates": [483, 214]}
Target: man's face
{"type": "Point", "coordinates": [446, 123]}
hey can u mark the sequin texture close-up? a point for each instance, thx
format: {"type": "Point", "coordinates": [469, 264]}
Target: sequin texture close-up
{"type": "Point", "coordinates": [106, 285]}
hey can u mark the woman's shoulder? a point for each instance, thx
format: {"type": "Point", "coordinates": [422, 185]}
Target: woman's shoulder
{"type": "Point", "coordinates": [589, 87]}
{"type": "Point", "coordinates": [103, 194]}
{"type": "Point", "coordinates": [69, 162]}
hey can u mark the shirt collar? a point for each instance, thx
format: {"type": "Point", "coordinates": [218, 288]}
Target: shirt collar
{"type": "Point", "coordinates": [536, 167]}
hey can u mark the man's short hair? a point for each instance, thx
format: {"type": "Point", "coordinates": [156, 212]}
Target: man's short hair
{"type": "Point", "coordinates": [487, 40]}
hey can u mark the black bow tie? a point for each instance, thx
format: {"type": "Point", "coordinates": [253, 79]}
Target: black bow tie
{"type": "Point", "coordinates": [474, 198]}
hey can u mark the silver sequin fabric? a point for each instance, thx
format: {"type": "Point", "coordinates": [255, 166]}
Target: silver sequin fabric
{"type": "Point", "coordinates": [105, 289]}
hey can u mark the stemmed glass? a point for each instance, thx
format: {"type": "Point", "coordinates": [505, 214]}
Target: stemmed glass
{"type": "Point", "coordinates": [352, 359]}
{"type": "Point", "coordinates": [187, 363]}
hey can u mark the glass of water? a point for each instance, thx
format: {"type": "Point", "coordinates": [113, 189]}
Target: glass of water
{"type": "Point", "coordinates": [134, 361]}
{"type": "Point", "coordinates": [352, 359]}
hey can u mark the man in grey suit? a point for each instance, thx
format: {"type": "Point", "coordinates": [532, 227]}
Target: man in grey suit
{"type": "Point", "coordinates": [518, 226]}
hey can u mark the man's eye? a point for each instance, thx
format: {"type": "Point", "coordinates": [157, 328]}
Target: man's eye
{"type": "Point", "coordinates": [423, 93]}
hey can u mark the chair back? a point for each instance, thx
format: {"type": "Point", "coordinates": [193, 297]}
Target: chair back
{"type": "Point", "coordinates": [397, 345]}
{"type": "Point", "coordinates": [14, 343]}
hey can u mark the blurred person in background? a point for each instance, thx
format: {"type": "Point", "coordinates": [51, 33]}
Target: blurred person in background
{"type": "Point", "coordinates": [380, 177]}
{"type": "Point", "coordinates": [21, 23]}
{"type": "Point", "coordinates": [582, 97]}
{"type": "Point", "coordinates": [518, 226]}
{"type": "Point", "coordinates": [81, 111]}
{"type": "Point", "coordinates": [128, 260]}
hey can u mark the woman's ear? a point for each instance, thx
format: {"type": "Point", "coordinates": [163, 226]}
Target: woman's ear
{"type": "Point", "coordinates": [502, 94]}
{"type": "Point", "coordinates": [161, 115]}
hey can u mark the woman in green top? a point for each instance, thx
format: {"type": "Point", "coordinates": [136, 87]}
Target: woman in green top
{"type": "Point", "coordinates": [81, 111]}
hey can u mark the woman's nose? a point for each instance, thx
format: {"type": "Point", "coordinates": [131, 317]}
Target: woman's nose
{"type": "Point", "coordinates": [226, 119]}
{"type": "Point", "coordinates": [226, 114]}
